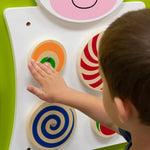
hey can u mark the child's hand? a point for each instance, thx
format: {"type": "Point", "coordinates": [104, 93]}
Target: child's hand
{"type": "Point", "coordinates": [52, 84]}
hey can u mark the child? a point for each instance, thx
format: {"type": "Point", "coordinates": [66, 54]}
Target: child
{"type": "Point", "coordinates": [124, 58]}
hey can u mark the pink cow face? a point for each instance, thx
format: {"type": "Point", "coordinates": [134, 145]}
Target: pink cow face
{"type": "Point", "coordinates": [83, 10]}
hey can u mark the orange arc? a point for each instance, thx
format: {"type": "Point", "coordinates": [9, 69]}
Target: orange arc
{"type": "Point", "coordinates": [54, 47]}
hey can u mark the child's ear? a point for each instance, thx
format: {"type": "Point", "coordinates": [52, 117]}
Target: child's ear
{"type": "Point", "coordinates": [123, 108]}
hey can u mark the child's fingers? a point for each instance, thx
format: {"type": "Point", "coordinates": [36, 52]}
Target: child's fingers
{"type": "Point", "coordinates": [34, 73]}
{"type": "Point", "coordinates": [35, 91]}
{"type": "Point", "coordinates": [37, 68]}
{"type": "Point", "coordinates": [48, 65]}
{"type": "Point", "coordinates": [44, 68]}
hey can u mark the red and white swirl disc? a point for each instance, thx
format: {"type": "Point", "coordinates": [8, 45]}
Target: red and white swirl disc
{"type": "Point", "coordinates": [88, 66]}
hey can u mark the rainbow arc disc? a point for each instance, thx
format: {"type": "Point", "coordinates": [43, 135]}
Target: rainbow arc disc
{"type": "Point", "coordinates": [50, 51]}
{"type": "Point", "coordinates": [50, 126]}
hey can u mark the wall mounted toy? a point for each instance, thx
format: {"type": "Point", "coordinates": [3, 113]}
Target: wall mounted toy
{"type": "Point", "coordinates": [27, 27]}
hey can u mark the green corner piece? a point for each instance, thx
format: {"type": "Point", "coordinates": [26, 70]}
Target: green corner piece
{"type": "Point", "coordinates": [114, 147]}
{"type": "Point", "coordinates": [147, 2]}
{"type": "Point", "coordinates": [7, 75]}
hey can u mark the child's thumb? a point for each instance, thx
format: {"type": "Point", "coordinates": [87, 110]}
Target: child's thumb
{"type": "Point", "coordinates": [34, 90]}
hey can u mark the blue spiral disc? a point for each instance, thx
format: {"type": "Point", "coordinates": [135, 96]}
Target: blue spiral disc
{"type": "Point", "coordinates": [51, 125]}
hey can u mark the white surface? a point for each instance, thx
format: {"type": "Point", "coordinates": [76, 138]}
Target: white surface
{"type": "Point", "coordinates": [46, 4]}
{"type": "Point", "coordinates": [46, 26]}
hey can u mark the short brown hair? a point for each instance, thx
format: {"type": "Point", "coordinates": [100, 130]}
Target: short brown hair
{"type": "Point", "coordinates": [124, 56]}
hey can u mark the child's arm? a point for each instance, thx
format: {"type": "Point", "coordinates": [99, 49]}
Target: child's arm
{"type": "Point", "coordinates": [54, 89]}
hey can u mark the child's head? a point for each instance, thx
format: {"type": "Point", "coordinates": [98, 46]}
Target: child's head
{"type": "Point", "coordinates": [124, 57]}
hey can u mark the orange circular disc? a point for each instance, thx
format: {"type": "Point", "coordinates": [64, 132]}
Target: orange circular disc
{"type": "Point", "coordinates": [50, 51]}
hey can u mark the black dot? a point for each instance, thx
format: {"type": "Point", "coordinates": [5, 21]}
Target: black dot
{"type": "Point", "coordinates": [29, 148]}
{"type": "Point", "coordinates": [28, 24]}
{"type": "Point", "coordinates": [49, 59]}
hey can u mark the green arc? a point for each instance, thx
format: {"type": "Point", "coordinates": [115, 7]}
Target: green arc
{"type": "Point", "coordinates": [98, 126]}
{"type": "Point", "coordinates": [48, 60]}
